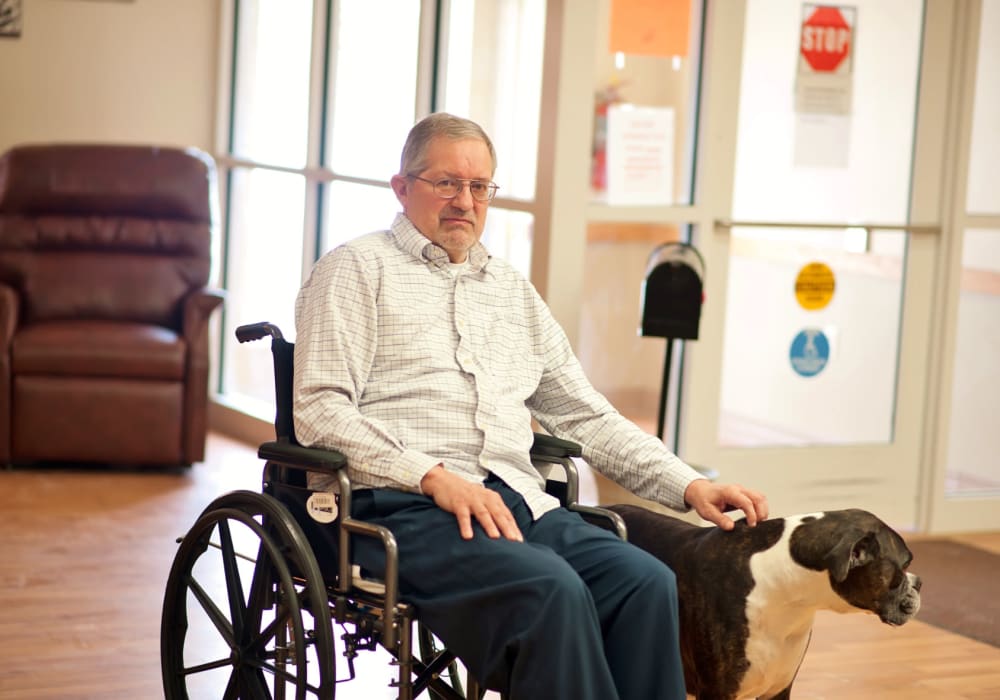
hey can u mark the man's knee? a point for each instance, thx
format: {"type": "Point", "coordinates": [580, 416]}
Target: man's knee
{"type": "Point", "coordinates": [561, 585]}
{"type": "Point", "coordinates": [660, 577]}
{"type": "Point", "coordinates": [653, 581]}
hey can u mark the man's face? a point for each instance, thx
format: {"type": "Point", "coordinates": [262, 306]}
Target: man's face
{"type": "Point", "coordinates": [454, 224]}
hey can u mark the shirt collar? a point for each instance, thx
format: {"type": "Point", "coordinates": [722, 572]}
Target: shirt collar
{"type": "Point", "coordinates": [409, 239]}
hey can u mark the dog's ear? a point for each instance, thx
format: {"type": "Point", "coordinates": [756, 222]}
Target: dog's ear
{"type": "Point", "coordinates": [852, 551]}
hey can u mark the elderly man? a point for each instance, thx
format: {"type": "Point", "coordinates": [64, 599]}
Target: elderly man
{"type": "Point", "coordinates": [423, 360]}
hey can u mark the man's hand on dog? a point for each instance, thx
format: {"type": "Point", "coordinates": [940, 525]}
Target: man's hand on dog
{"type": "Point", "coordinates": [711, 501]}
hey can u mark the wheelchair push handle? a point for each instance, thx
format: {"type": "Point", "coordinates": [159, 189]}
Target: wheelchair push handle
{"type": "Point", "coordinates": [256, 331]}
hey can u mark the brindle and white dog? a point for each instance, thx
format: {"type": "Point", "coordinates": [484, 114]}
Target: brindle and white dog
{"type": "Point", "coordinates": [748, 597]}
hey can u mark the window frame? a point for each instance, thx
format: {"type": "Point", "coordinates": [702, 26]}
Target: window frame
{"type": "Point", "coordinates": [318, 176]}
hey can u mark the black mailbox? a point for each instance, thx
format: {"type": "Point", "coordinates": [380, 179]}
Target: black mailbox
{"type": "Point", "coordinates": [672, 292]}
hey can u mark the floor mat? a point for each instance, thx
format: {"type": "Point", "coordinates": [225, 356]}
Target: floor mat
{"type": "Point", "coordinates": [959, 588]}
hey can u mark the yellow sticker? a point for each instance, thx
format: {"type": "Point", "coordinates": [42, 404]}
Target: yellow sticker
{"type": "Point", "coordinates": [814, 286]}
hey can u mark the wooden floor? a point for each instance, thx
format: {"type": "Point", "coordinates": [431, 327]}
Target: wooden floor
{"type": "Point", "coordinates": [85, 556]}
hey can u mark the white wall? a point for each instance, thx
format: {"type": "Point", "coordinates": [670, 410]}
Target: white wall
{"type": "Point", "coordinates": [136, 71]}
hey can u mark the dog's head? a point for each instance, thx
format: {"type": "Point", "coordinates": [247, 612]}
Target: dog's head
{"type": "Point", "coordinates": [867, 562]}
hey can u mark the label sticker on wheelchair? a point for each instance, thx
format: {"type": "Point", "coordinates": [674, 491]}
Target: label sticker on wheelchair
{"type": "Point", "coordinates": [322, 507]}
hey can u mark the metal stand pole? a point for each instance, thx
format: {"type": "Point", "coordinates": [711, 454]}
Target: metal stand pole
{"type": "Point", "coordinates": [664, 387]}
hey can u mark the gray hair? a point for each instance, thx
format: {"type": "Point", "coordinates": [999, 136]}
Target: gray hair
{"type": "Point", "coordinates": [414, 156]}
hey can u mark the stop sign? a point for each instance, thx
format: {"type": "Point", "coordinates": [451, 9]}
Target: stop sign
{"type": "Point", "coordinates": [826, 39]}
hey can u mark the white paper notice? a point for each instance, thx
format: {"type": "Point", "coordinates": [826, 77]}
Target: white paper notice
{"type": "Point", "coordinates": [822, 141]}
{"type": "Point", "coordinates": [640, 143]}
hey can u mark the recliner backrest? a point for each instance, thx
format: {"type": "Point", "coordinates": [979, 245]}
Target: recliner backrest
{"type": "Point", "coordinates": [91, 231]}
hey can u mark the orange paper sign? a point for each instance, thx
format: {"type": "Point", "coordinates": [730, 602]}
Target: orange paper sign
{"type": "Point", "coordinates": [650, 27]}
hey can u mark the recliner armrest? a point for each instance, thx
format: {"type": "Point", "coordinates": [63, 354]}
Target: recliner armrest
{"type": "Point", "coordinates": [198, 306]}
{"type": "Point", "coordinates": [8, 324]}
{"type": "Point", "coordinates": [8, 315]}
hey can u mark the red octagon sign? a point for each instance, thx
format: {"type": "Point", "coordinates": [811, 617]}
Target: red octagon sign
{"type": "Point", "coordinates": [826, 39]}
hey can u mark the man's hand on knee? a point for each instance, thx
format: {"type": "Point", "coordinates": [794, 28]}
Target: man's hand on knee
{"type": "Point", "coordinates": [467, 500]}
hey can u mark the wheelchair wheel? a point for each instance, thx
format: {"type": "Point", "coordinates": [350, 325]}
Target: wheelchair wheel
{"type": "Point", "coordinates": [430, 647]}
{"type": "Point", "coordinates": [245, 613]}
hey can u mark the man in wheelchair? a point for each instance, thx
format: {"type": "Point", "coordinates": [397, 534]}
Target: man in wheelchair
{"type": "Point", "coordinates": [423, 360]}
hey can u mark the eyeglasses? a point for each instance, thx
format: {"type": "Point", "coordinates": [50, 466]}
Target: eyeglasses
{"type": "Point", "coordinates": [449, 187]}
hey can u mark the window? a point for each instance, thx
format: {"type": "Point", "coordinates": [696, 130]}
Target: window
{"type": "Point", "coordinates": [323, 94]}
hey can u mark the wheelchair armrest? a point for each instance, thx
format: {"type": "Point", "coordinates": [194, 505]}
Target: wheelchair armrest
{"type": "Point", "coordinates": [553, 450]}
{"type": "Point", "coordinates": [602, 517]}
{"type": "Point", "coordinates": [547, 448]}
{"type": "Point", "coordinates": [311, 459]}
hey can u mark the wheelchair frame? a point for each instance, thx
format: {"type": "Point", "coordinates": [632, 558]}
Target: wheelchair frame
{"type": "Point", "coordinates": [277, 633]}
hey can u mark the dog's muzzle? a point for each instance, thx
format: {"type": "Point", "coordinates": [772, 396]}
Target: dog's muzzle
{"type": "Point", "coordinates": [906, 605]}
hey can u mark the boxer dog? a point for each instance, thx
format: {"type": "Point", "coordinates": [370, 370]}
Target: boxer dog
{"type": "Point", "coordinates": [748, 597]}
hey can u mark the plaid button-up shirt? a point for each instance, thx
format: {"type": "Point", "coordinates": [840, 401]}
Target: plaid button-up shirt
{"type": "Point", "coordinates": [404, 361]}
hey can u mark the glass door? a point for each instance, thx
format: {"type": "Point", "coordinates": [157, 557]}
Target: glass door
{"type": "Point", "coordinates": [811, 380]}
{"type": "Point", "coordinates": [964, 484]}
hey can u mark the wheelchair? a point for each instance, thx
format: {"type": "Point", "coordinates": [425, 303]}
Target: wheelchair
{"type": "Point", "coordinates": [258, 582]}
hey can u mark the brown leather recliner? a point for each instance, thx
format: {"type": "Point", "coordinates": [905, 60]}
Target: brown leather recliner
{"type": "Point", "coordinates": [104, 257]}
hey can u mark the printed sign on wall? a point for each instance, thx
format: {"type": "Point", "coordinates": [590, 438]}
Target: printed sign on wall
{"type": "Point", "coordinates": [814, 286]}
{"type": "Point", "coordinates": [824, 86]}
{"type": "Point", "coordinates": [810, 352]}
{"type": "Point", "coordinates": [640, 154]}
{"type": "Point", "coordinates": [826, 59]}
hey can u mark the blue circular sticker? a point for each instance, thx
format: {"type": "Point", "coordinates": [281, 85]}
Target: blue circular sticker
{"type": "Point", "coordinates": [810, 352]}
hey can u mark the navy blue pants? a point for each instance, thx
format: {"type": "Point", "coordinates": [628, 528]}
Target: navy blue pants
{"type": "Point", "coordinates": [571, 612]}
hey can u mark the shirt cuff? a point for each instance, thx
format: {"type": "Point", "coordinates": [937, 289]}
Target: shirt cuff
{"type": "Point", "coordinates": [682, 476]}
{"type": "Point", "coordinates": [410, 466]}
